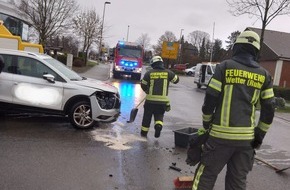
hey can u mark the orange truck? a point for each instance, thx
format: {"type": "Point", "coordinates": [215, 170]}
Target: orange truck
{"type": "Point", "coordinates": [9, 41]}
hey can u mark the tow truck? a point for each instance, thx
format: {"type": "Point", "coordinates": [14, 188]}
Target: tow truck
{"type": "Point", "coordinates": [9, 41]}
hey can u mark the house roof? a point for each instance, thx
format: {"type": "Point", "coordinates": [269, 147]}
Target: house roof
{"type": "Point", "coordinates": [278, 42]}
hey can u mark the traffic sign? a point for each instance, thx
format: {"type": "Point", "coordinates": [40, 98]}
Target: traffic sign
{"type": "Point", "coordinates": [170, 50]}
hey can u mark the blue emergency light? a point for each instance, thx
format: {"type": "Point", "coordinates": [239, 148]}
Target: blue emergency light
{"type": "Point", "coordinates": [128, 63]}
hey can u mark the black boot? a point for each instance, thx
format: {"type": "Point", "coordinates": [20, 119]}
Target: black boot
{"type": "Point", "coordinates": [158, 129]}
{"type": "Point", "coordinates": [144, 133]}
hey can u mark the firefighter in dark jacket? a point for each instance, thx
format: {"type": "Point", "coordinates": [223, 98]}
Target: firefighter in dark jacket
{"type": "Point", "coordinates": [155, 84]}
{"type": "Point", "coordinates": [234, 91]}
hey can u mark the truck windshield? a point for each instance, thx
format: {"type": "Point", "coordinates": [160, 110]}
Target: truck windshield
{"type": "Point", "coordinates": [137, 53]}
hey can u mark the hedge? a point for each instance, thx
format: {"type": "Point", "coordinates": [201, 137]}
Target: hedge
{"type": "Point", "coordinates": [62, 58]}
{"type": "Point", "coordinates": [282, 92]}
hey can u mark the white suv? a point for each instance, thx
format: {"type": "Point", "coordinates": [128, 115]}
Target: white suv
{"type": "Point", "coordinates": [37, 83]}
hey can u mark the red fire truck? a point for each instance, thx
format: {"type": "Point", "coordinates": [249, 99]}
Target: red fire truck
{"type": "Point", "coordinates": [128, 60]}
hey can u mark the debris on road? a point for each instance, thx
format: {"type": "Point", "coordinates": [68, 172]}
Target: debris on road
{"type": "Point", "coordinates": [175, 168]}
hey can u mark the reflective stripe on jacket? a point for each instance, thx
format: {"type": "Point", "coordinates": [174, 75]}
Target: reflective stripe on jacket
{"type": "Point", "coordinates": [156, 82]}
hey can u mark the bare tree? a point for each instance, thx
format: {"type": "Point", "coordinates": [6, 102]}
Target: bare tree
{"type": "Point", "coordinates": [87, 26]}
{"type": "Point", "coordinates": [264, 10]}
{"type": "Point", "coordinates": [48, 17]}
{"type": "Point", "coordinates": [196, 38]}
{"type": "Point", "coordinates": [70, 45]}
{"type": "Point", "coordinates": [144, 40]}
{"type": "Point", "coordinates": [168, 36]}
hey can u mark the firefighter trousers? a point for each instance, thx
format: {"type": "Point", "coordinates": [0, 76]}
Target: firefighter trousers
{"type": "Point", "coordinates": [156, 110]}
{"type": "Point", "coordinates": [239, 161]}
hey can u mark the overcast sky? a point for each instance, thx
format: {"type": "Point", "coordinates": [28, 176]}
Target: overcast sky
{"type": "Point", "coordinates": [154, 17]}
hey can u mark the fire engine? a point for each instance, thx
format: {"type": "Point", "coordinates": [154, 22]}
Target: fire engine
{"type": "Point", "coordinates": [128, 60]}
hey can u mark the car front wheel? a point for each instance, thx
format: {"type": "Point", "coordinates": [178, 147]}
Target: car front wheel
{"type": "Point", "coordinates": [80, 115]}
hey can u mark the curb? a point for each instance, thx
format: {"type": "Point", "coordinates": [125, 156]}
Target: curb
{"type": "Point", "coordinates": [281, 116]}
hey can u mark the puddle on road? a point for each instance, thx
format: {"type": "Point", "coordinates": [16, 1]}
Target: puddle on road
{"type": "Point", "coordinates": [116, 137]}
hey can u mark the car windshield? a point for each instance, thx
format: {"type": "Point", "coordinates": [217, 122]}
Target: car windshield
{"type": "Point", "coordinates": [63, 69]}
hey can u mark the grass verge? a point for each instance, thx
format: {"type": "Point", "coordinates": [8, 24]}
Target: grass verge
{"type": "Point", "coordinates": [89, 65]}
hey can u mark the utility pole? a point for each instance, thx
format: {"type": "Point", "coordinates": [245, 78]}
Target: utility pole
{"type": "Point", "coordinates": [128, 33]}
{"type": "Point", "coordinates": [180, 48]}
{"type": "Point", "coordinates": [212, 43]}
{"type": "Point", "coordinates": [102, 25]}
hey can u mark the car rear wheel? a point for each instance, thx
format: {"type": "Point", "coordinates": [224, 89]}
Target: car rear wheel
{"type": "Point", "coordinates": [80, 115]}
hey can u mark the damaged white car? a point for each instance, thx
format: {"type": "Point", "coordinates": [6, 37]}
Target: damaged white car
{"type": "Point", "coordinates": [37, 83]}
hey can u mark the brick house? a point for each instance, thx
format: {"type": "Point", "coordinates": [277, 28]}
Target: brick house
{"type": "Point", "coordinates": [275, 55]}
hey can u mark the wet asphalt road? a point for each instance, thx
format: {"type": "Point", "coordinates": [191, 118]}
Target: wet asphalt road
{"type": "Point", "coordinates": [47, 153]}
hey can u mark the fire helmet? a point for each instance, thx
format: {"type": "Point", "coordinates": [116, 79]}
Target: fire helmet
{"type": "Point", "coordinates": [249, 37]}
{"type": "Point", "coordinates": [155, 59]}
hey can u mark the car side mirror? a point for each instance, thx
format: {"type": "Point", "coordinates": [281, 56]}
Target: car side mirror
{"type": "Point", "coordinates": [49, 78]}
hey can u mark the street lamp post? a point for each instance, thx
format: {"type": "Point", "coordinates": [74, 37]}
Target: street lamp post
{"type": "Point", "coordinates": [180, 47]}
{"type": "Point", "coordinates": [102, 25]}
{"type": "Point", "coordinates": [128, 33]}
{"type": "Point", "coordinates": [180, 35]}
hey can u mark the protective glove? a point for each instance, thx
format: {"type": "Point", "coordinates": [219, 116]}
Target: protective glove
{"type": "Point", "coordinates": [256, 144]}
{"type": "Point", "coordinates": [201, 131]}
{"type": "Point", "coordinates": [195, 147]}
{"type": "Point", "coordinates": [258, 140]}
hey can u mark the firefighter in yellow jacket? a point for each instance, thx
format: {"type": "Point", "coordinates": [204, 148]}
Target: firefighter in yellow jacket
{"type": "Point", "coordinates": [155, 84]}
{"type": "Point", "coordinates": [234, 91]}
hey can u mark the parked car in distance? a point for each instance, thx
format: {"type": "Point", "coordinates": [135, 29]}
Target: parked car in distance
{"type": "Point", "coordinates": [37, 83]}
{"type": "Point", "coordinates": [190, 71]}
{"type": "Point", "coordinates": [180, 67]}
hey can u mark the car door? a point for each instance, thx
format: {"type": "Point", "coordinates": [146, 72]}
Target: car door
{"type": "Point", "coordinates": [6, 81]}
{"type": "Point", "coordinates": [30, 89]}
{"type": "Point", "coordinates": [208, 74]}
